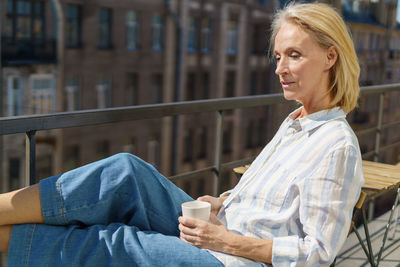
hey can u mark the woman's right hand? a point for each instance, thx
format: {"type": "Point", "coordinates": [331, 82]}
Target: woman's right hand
{"type": "Point", "coordinates": [216, 203]}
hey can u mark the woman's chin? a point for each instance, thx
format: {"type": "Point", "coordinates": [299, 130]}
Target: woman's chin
{"type": "Point", "coordinates": [289, 95]}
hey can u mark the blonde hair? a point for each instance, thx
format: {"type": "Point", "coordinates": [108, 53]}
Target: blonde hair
{"type": "Point", "coordinates": [328, 29]}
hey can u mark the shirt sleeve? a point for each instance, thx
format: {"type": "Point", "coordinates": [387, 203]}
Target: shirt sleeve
{"type": "Point", "coordinates": [327, 198]}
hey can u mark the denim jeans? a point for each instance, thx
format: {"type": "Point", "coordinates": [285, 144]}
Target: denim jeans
{"type": "Point", "coordinates": [115, 212]}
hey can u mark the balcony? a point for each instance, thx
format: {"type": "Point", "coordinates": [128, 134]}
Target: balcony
{"type": "Point", "coordinates": [28, 51]}
{"type": "Point", "coordinates": [32, 124]}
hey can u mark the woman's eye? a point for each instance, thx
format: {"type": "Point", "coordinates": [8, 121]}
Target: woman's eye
{"type": "Point", "coordinates": [277, 58]}
{"type": "Point", "coordinates": [294, 55]}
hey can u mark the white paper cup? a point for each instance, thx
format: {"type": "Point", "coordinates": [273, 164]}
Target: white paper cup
{"type": "Point", "coordinates": [196, 209]}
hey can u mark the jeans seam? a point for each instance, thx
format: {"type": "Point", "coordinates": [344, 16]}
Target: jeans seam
{"type": "Point", "coordinates": [30, 245]}
{"type": "Point", "coordinates": [61, 202]}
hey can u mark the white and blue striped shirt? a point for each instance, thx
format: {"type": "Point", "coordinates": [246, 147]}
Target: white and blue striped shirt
{"type": "Point", "coordinates": [299, 192]}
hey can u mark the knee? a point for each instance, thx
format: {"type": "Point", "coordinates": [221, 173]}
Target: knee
{"type": "Point", "coordinates": [130, 161]}
{"type": "Point", "coordinates": [126, 158]}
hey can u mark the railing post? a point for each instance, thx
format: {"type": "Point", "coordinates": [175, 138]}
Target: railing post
{"type": "Point", "coordinates": [379, 127]}
{"type": "Point", "coordinates": [30, 158]}
{"type": "Point", "coordinates": [218, 152]}
{"type": "Point", "coordinates": [377, 147]}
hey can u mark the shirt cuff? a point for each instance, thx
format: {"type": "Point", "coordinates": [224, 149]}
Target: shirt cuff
{"type": "Point", "coordinates": [226, 193]}
{"type": "Point", "coordinates": [285, 250]}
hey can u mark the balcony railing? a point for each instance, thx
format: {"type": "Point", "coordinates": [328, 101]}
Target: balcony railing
{"type": "Point", "coordinates": [33, 123]}
{"type": "Point", "coordinates": [28, 51]}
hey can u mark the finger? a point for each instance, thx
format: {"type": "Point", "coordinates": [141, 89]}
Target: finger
{"type": "Point", "coordinates": [190, 222]}
{"type": "Point", "coordinates": [187, 230]}
{"type": "Point", "coordinates": [204, 198]}
{"type": "Point", "coordinates": [192, 240]}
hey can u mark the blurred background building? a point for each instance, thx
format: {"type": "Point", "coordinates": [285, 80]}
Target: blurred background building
{"type": "Point", "coordinates": [69, 55]}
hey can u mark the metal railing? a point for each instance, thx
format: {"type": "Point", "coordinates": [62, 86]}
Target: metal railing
{"type": "Point", "coordinates": [33, 123]}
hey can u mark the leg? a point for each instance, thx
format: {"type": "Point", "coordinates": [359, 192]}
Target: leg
{"type": "Point", "coordinates": [122, 188]}
{"type": "Point", "coordinates": [21, 206]}
{"type": "Point", "coordinates": [99, 245]}
{"type": "Point", "coordinates": [5, 233]}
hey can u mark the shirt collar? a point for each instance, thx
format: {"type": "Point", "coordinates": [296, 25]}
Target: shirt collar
{"type": "Point", "coordinates": [314, 120]}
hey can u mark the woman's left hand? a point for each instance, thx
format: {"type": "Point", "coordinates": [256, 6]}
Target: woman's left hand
{"type": "Point", "coordinates": [202, 234]}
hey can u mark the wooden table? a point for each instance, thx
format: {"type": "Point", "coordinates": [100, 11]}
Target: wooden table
{"type": "Point", "coordinates": [379, 179]}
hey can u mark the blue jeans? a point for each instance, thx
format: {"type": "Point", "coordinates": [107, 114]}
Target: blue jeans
{"type": "Point", "coordinates": [115, 212]}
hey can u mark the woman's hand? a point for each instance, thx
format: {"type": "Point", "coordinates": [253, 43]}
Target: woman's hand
{"type": "Point", "coordinates": [216, 203]}
{"type": "Point", "coordinates": [215, 236]}
{"type": "Point", "coordinates": [202, 234]}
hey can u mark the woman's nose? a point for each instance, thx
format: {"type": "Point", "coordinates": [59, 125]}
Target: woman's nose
{"type": "Point", "coordinates": [281, 67]}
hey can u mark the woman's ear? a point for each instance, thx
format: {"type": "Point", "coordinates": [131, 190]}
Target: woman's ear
{"type": "Point", "coordinates": [331, 57]}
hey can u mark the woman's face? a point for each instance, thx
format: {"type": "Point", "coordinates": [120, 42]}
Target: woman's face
{"type": "Point", "coordinates": [302, 66]}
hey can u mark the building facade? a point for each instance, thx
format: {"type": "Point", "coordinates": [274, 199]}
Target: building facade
{"type": "Point", "coordinates": [68, 55]}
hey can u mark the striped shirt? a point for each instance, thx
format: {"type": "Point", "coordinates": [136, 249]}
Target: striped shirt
{"type": "Point", "coordinates": [299, 192]}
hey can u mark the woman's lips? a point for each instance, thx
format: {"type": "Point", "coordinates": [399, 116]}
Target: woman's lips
{"type": "Point", "coordinates": [286, 84]}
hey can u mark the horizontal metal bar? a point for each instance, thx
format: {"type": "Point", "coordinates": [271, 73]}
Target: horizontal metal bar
{"type": "Point", "coordinates": [387, 147]}
{"type": "Point", "coordinates": [199, 172]}
{"type": "Point", "coordinates": [373, 129]}
{"type": "Point", "coordinates": [191, 174]}
{"type": "Point", "coordinates": [366, 131]}
{"type": "Point", "coordinates": [20, 124]}
{"type": "Point", "coordinates": [236, 163]}
{"type": "Point", "coordinates": [368, 154]}
{"type": "Point", "coordinates": [376, 89]}
{"type": "Point", "coordinates": [383, 148]}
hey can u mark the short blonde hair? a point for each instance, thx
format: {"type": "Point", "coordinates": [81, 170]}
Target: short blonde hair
{"type": "Point", "coordinates": [328, 29]}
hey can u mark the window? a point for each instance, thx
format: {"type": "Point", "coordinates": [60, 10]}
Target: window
{"type": "Point", "coordinates": [104, 93]}
{"type": "Point", "coordinates": [188, 140]}
{"type": "Point", "coordinates": [202, 143]}
{"type": "Point", "coordinates": [371, 41]}
{"type": "Point", "coordinates": [153, 152]}
{"type": "Point", "coordinates": [14, 173]}
{"type": "Point", "coordinates": [190, 86]}
{"type": "Point", "coordinates": [14, 92]}
{"type": "Point", "coordinates": [232, 38]}
{"type": "Point", "coordinates": [104, 41]}
{"type": "Point", "coordinates": [206, 85]}
{"type": "Point", "coordinates": [130, 146]}
{"type": "Point", "coordinates": [250, 134]}
{"type": "Point", "coordinates": [132, 30]}
{"type": "Point", "coordinates": [73, 26]}
{"type": "Point", "coordinates": [228, 138]}
{"type": "Point", "coordinates": [378, 42]}
{"type": "Point", "coordinates": [230, 84]}
{"type": "Point", "coordinates": [73, 94]}
{"type": "Point", "coordinates": [25, 20]}
{"type": "Point", "coordinates": [192, 35]}
{"type": "Point", "coordinates": [157, 33]}
{"type": "Point", "coordinates": [201, 187]}
{"type": "Point", "coordinates": [261, 132]}
{"type": "Point", "coordinates": [43, 93]}
{"type": "Point", "coordinates": [72, 157]}
{"type": "Point", "coordinates": [132, 89]}
{"type": "Point", "coordinates": [158, 86]}
{"type": "Point", "coordinates": [206, 35]}
{"type": "Point", "coordinates": [103, 149]}
{"type": "Point", "coordinates": [253, 83]}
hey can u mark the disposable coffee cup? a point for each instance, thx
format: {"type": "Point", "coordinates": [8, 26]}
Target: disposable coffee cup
{"type": "Point", "coordinates": [196, 209]}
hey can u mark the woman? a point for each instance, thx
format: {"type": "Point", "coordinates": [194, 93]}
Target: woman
{"type": "Point", "coordinates": [292, 207]}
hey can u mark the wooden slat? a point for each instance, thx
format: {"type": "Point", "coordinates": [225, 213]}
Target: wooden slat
{"type": "Point", "coordinates": [380, 176]}
{"type": "Point", "coordinates": [379, 165]}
